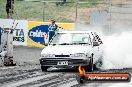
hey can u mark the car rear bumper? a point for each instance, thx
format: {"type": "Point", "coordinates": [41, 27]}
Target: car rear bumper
{"type": "Point", "coordinates": [71, 62]}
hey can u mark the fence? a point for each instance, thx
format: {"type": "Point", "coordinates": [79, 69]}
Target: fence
{"type": "Point", "coordinates": [42, 10]}
{"type": "Point", "coordinates": [93, 12]}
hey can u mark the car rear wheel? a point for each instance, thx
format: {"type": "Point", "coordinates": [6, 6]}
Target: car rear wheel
{"type": "Point", "coordinates": [80, 79]}
{"type": "Point", "coordinates": [90, 69]}
{"type": "Point", "coordinates": [44, 68]}
{"type": "Point", "coordinates": [98, 65]}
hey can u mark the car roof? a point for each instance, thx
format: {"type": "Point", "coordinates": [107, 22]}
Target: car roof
{"type": "Point", "coordinates": [81, 32]}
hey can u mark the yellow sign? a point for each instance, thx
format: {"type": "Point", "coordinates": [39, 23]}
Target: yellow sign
{"type": "Point", "coordinates": [36, 36]}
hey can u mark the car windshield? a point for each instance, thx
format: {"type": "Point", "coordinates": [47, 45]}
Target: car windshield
{"type": "Point", "coordinates": [71, 38]}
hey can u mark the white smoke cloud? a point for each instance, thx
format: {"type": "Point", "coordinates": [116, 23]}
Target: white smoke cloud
{"type": "Point", "coordinates": [117, 46]}
{"type": "Point", "coordinates": [118, 51]}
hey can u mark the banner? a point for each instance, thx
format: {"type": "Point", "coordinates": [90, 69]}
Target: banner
{"type": "Point", "coordinates": [20, 30]}
{"type": "Point", "coordinates": [37, 34]}
{"type": "Point", "coordinates": [30, 33]}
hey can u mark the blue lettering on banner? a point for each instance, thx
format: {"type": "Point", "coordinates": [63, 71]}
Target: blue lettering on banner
{"type": "Point", "coordinates": [37, 34]}
{"type": "Point", "coordinates": [18, 35]}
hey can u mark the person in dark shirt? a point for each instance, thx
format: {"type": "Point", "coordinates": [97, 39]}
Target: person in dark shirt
{"type": "Point", "coordinates": [9, 8]}
{"type": "Point", "coordinates": [52, 31]}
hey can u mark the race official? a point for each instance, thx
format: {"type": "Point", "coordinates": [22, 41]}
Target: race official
{"type": "Point", "coordinates": [53, 29]}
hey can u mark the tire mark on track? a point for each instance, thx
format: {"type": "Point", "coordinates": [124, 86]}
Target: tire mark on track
{"type": "Point", "coordinates": [65, 78]}
{"type": "Point", "coordinates": [40, 82]}
{"type": "Point", "coordinates": [16, 77]}
{"type": "Point", "coordinates": [30, 80]}
{"type": "Point", "coordinates": [56, 84]}
{"type": "Point", "coordinates": [37, 78]}
{"type": "Point", "coordinates": [18, 72]}
{"type": "Point", "coordinates": [54, 81]}
{"type": "Point", "coordinates": [72, 83]}
{"type": "Point", "coordinates": [20, 77]}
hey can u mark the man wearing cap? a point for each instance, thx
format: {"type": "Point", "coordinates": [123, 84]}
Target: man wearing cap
{"type": "Point", "coordinates": [53, 28]}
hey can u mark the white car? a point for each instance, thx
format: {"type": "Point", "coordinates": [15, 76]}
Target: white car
{"type": "Point", "coordinates": [69, 49]}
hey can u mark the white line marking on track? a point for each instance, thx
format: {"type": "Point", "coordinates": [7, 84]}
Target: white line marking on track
{"type": "Point", "coordinates": [11, 67]}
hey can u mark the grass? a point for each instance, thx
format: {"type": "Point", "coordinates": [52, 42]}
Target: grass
{"type": "Point", "coordinates": [35, 10]}
{"type": "Point", "coordinates": [2, 9]}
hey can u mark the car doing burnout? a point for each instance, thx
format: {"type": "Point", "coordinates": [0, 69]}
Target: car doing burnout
{"type": "Point", "coordinates": [69, 49]}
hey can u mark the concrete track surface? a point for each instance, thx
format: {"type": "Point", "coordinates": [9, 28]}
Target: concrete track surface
{"type": "Point", "coordinates": [32, 76]}
{"type": "Point", "coordinates": [29, 74]}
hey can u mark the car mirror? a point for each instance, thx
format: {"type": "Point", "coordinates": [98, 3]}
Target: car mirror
{"type": "Point", "coordinates": [95, 44]}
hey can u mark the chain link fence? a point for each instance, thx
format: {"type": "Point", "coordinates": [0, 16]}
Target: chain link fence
{"type": "Point", "coordinates": [61, 10]}
{"type": "Point", "coordinates": [94, 12]}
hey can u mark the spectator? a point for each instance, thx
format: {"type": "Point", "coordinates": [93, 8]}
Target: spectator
{"type": "Point", "coordinates": [52, 28]}
{"type": "Point", "coordinates": [9, 8]}
{"type": "Point", "coordinates": [60, 2]}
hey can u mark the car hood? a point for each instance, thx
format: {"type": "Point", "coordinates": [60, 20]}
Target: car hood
{"type": "Point", "coordinates": [66, 49]}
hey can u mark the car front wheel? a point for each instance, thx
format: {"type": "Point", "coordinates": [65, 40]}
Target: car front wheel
{"type": "Point", "coordinates": [44, 68]}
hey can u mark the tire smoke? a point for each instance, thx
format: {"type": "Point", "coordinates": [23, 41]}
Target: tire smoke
{"type": "Point", "coordinates": [118, 51]}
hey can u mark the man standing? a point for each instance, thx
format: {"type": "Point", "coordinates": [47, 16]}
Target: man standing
{"type": "Point", "coordinates": [9, 8]}
{"type": "Point", "coordinates": [53, 28]}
